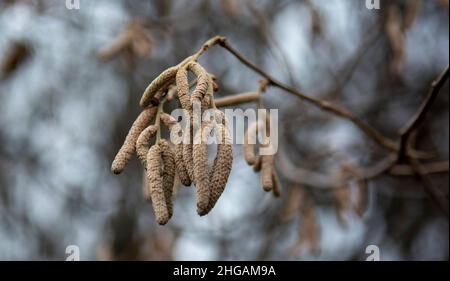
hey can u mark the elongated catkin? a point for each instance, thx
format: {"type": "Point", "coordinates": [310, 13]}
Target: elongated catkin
{"type": "Point", "coordinates": [142, 144]}
{"type": "Point", "coordinates": [276, 183]}
{"type": "Point", "coordinates": [266, 172]}
{"type": "Point", "coordinates": [183, 88]}
{"type": "Point", "coordinates": [257, 165]}
{"type": "Point", "coordinates": [168, 160]}
{"type": "Point", "coordinates": [155, 183]}
{"type": "Point", "coordinates": [165, 78]}
{"type": "Point", "coordinates": [179, 163]}
{"type": "Point", "coordinates": [222, 165]}
{"type": "Point", "coordinates": [249, 147]}
{"type": "Point", "coordinates": [201, 171]}
{"type": "Point", "coordinates": [188, 159]}
{"type": "Point", "coordinates": [129, 146]}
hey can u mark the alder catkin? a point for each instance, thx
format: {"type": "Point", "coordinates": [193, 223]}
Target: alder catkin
{"type": "Point", "coordinates": [222, 165]}
{"type": "Point", "coordinates": [174, 127]}
{"type": "Point", "coordinates": [146, 187]}
{"type": "Point", "coordinates": [179, 163]}
{"type": "Point", "coordinates": [183, 88]}
{"type": "Point", "coordinates": [168, 160]}
{"type": "Point", "coordinates": [342, 199]}
{"type": "Point", "coordinates": [203, 81]}
{"type": "Point", "coordinates": [249, 147]}
{"type": "Point", "coordinates": [165, 78]}
{"type": "Point", "coordinates": [201, 172]}
{"type": "Point", "coordinates": [155, 182]}
{"type": "Point", "coordinates": [188, 160]}
{"type": "Point", "coordinates": [266, 172]}
{"type": "Point", "coordinates": [276, 184]}
{"type": "Point", "coordinates": [142, 145]}
{"type": "Point", "coordinates": [129, 146]}
{"type": "Point", "coordinates": [257, 165]}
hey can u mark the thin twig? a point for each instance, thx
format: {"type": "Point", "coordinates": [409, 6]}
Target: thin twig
{"type": "Point", "coordinates": [419, 116]}
{"type": "Point", "coordinates": [324, 105]}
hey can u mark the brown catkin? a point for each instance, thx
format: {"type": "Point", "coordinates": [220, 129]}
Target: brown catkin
{"type": "Point", "coordinates": [155, 183]}
{"type": "Point", "coordinates": [222, 165]}
{"type": "Point", "coordinates": [183, 88]}
{"type": "Point", "coordinates": [203, 81]}
{"type": "Point", "coordinates": [249, 147]}
{"type": "Point", "coordinates": [168, 160]}
{"type": "Point", "coordinates": [146, 187]}
{"type": "Point", "coordinates": [142, 145]}
{"type": "Point", "coordinates": [362, 201]}
{"type": "Point", "coordinates": [342, 199]}
{"type": "Point", "coordinates": [257, 165]}
{"type": "Point", "coordinates": [163, 79]}
{"type": "Point", "coordinates": [188, 160]}
{"type": "Point", "coordinates": [266, 172]}
{"type": "Point", "coordinates": [179, 163]}
{"type": "Point", "coordinates": [129, 146]}
{"type": "Point", "coordinates": [168, 120]}
{"type": "Point", "coordinates": [237, 99]}
{"type": "Point", "coordinates": [276, 184]}
{"type": "Point", "coordinates": [201, 173]}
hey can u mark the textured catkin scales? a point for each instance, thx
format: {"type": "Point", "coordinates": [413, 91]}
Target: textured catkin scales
{"type": "Point", "coordinates": [168, 160]}
{"type": "Point", "coordinates": [171, 123]}
{"type": "Point", "coordinates": [129, 146]}
{"type": "Point", "coordinates": [276, 184]}
{"type": "Point", "coordinates": [257, 165]}
{"type": "Point", "coordinates": [155, 184]}
{"type": "Point", "coordinates": [142, 145]}
{"type": "Point", "coordinates": [222, 165]}
{"type": "Point", "coordinates": [249, 149]}
{"type": "Point", "coordinates": [183, 88]}
{"type": "Point", "coordinates": [179, 163]}
{"type": "Point", "coordinates": [266, 172]}
{"type": "Point", "coordinates": [203, 81]}
{"type": "Point", "coordinates": [163, 80]}
{"type": "Point", "coordinates": [201, 171]}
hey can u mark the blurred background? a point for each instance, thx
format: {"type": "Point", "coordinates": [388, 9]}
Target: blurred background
{"type": "Point", "coordinates": [70, 84]}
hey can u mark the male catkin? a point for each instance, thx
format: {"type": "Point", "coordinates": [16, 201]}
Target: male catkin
{"type": "Point", "coordinates": [183, 88]}
{"type": "Point", "coordinates": [222, 165]}
{"type": "Point", "coordinates": [168, 160]}
{"type": "Point", "coordinates": [142, 144]}
{"type": "Point", "coordinates": [249, 147]}
{"type": "Point", "coordinates": [201, 174]}
{"type": "Point", "coordinates": [129, 146]}
{"type": "Point", "coordinates": [164, 79]}
{"type": "Point", "coordinates": [155, 183]}
{"type": "Point", "coordinates": [266, 172]}
{"type": "Point", "coordinates": [276, 183]}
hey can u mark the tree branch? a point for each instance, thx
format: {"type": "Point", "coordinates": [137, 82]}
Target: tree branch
{"type": "Point", "coordinates": [419, 116]}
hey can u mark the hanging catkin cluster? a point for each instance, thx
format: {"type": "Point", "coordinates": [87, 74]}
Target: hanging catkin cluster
{"type": "Point", "coordinates": [261, 163]}
{"type": "Point", "coordinates": [188, 157]}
